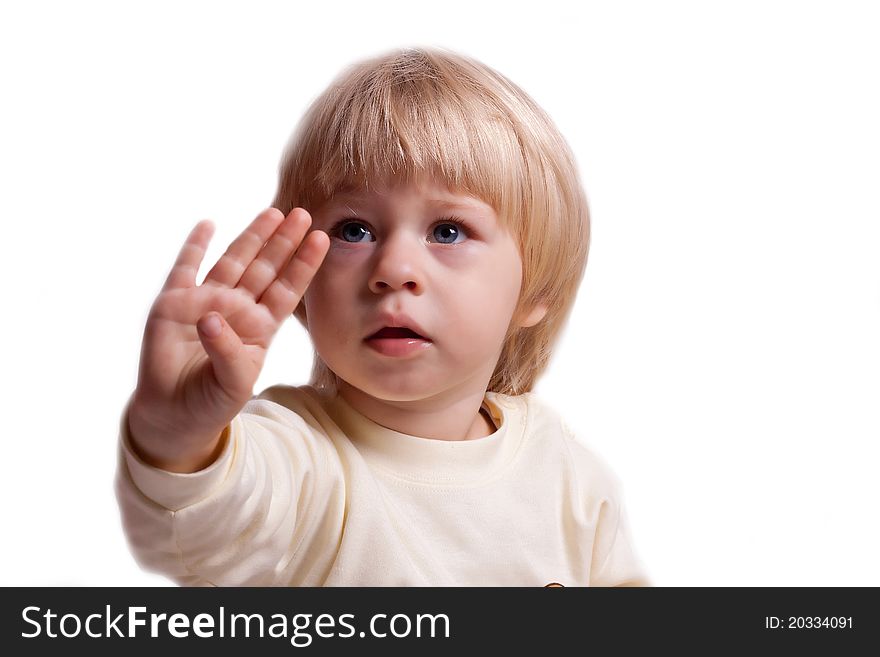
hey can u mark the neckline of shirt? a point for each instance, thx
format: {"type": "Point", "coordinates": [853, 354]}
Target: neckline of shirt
{"type": "Point", "coordinates": [431, 461]}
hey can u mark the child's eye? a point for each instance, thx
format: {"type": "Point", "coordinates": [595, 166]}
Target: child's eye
{"type": "Point", "coordinates": [449, 230]}
{"type": "Point", "coordinates": [352, 231]}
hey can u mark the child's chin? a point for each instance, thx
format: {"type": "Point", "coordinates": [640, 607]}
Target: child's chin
{"type": "Point", "coordinates": [394, 389]}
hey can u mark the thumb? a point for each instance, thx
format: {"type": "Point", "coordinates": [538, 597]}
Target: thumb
{"type": "Point", "coordinates": [231, 364]}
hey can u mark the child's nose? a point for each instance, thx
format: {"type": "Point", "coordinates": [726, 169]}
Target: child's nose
{"type": "Point", "coordinates": [397, 266]}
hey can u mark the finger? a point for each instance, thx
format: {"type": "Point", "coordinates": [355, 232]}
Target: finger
{"type": "Point", "coordinates": [183, 273]}
{"type": "Point", "coordinates": [283, 295]}
{"type": "Point", "coordinates": [276, 253]}
{"type": "Point", "coordinates": [231, 364]}
{"type": "Point", "coordinates": [228, 269]}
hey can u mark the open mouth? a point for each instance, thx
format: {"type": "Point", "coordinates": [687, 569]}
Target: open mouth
{"type": "Point", "coordinates": [396, 332]}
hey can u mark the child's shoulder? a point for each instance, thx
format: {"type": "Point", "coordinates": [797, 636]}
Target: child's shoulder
{"type": "Point", "coordinates": [290, 405]}
{"type": "Point", "coordinates": [540, 416]}
{"type": "Point", "coordinates": [286, 395]}
{"type": "Point", "coordinates": [548, 431]}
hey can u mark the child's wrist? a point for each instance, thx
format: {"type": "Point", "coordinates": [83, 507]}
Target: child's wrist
{"type": "Point", "coordinates": [183, 452]}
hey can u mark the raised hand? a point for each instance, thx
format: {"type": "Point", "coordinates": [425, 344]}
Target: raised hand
{"type": "Point", "coordinates": [204, 345]}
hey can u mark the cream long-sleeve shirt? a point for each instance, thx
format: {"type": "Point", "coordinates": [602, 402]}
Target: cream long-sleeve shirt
{"type": "Point", "coordinates": [308, 492]}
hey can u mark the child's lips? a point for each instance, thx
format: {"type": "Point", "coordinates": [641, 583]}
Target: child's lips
{"type": "Point", "coordinates": [396, 326]}
{"type": "Point", "coordinates": [397, 342]}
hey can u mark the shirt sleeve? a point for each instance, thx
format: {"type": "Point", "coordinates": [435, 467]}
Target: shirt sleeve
{"type": "Point", "coordinates": [614, 562]}
{"type": "Point", "coordinates": [242, 520]}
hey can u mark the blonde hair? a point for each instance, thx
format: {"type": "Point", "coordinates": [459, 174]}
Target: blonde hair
{"type": "Point", "coordinates": [419, 112]}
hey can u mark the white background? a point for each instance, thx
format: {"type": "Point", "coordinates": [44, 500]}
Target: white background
{"type": "Point", "coordinates": [723, 356]}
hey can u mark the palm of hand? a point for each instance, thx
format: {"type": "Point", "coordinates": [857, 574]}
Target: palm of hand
{"type": "Point", "coordinates": [189, 378]}
{"type": "Point", "coordinates": [185, 366]}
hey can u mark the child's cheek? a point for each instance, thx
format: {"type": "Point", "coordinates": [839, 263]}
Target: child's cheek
{"type": "Point", "coordinates": [341, 266]}
{"type": "Point", "coordinates": [460, 256]}
{"type": "Point", "coordinates": [343, 256]}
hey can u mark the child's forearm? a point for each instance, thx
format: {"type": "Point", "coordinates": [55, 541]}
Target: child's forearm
{"type": "Point", "coordinates": [237, 522]}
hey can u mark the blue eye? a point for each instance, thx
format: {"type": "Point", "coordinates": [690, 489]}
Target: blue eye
{"type": "Point", "coordinates": [448, 232]}
{"type": "Point", "coordinates": [352, 231]}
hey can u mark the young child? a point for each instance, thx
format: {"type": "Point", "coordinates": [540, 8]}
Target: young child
{"type": "Point", "coordinates": [430, 233]}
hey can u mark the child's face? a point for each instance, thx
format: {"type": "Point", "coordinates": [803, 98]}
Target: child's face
{"type": "Point", "coordinates": [395, 258]}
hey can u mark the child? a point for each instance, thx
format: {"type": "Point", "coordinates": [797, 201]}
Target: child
{"type": "Point", "coordinates": [430, 233]}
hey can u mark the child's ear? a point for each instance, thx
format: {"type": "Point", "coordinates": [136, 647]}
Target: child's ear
{"type": "Point", "coordinates": [533, 316]}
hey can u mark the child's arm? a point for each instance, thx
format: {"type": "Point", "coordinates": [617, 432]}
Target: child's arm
{"type": "Point", "coordinates": [615, 563]}
{"type": "Point", "coordinates": [204, 345]}
{"type": "Point", "coordinates": [269, 512]}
